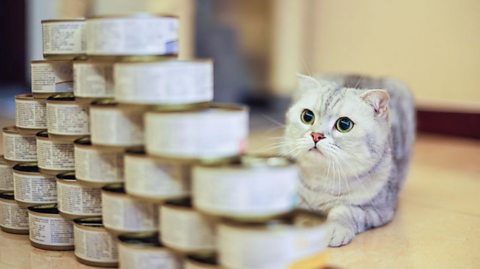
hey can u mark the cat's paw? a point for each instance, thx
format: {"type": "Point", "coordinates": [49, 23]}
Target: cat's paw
{"type": "Point", "coordinates": [340, 235]}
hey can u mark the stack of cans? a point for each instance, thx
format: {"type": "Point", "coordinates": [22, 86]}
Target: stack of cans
{"type": "Point", "coordinates": [120, 154]}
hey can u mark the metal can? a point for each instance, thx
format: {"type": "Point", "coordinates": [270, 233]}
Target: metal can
{"type": "Point", "coordinates": [184, 229]}
{"type": "Point", "coordinates": [6, 174]}
{"type": "Point", "coordinates": [48, 230]}
{"type": "Point", "coordinates": [66, 118]}
{"type": "Point", "coordinates": [63, 39]}
{"type": "Point", "coordinates": [32, 187]}
{"type": "Point", "coordinates": [132, 35]}
{"type": "Point", "coordinates": [97, 166]}
{"type": "Point", "coordinates": [94, 246]}
{"type": "Point", "coordinates": [171, 82]}
{"type": "Point", "coordinates": [154, 179]}
{"type": "Point", "coordinates": [252, 188]}
{"type": "Point", "coordinates": [143, 250]}
{"type": "Point", "coordinates": [18, 147]}
{"type": "Point", "coordinates": [75, 200]}
{"type": "Point", "coordinates": [217, 132]}
{"type": "Point", "coordinates": [13, 218]}
{"type": "Point", "coordinates": [93, 79]}
{"type": "Point", "coordinates": [201, 262]}
{"type": "Point", "coordinates": [112, 125]}
{"type": "Point", "coordinates": [30, 113]}
{"type": "Point", "coordinates": [54, 156]}
{"type": "Point", "coordinates": [50, 77]}
{"type": "Point", "coordinates": [123, 214]}
{"type": "Point", "coordinates": [297, 239]}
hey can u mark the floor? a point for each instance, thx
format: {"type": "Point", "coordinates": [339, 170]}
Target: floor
{"type": "Point", "coordinates": [437, 224]}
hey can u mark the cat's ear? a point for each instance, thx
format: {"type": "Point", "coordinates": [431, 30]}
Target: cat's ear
{"type": "Point", "coordinates": [378, 99]}
{"type": "Point", "coordinates": [307, 82]}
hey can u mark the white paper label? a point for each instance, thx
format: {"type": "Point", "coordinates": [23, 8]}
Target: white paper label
{"type": "Point", "coordinates": [78, 200]}
{"type": "Point", "coordinates": [116, 127]}
{"type": "Point", "coordinates": [63, 37]}
{"type": "Point", "coordinates": [6, 177]}
{"type": "Point", "coordinates": [54, 231]}
{"type": "Point", "coordinates": [19, 148]}
{"type": "Point", "coordinates": [132, 258]}
{"type": "Point", "coordinates": [35, 188]}
{"type": "Point", "coordinates": [55, 155]}
{"type": "Point", "coordinates": [93, 79]}
{"type": "Point", "coordinates": [95, 245]}
{"type": "Point", "coordinates": [30, 114]}
{"type": "Point", "coordinates": [52, 77]}
{"type": "Point", "coordinates": [12, 216]}
{"type": "Point", "coordinates": [67, 119]}
{"type": "Point", "coordinates": [95, 166]}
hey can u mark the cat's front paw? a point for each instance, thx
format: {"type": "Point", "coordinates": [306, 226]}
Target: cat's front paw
{"type": "Point", "coordinates": [340, 235]}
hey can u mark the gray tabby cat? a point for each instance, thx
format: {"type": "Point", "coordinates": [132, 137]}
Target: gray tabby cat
{"type": "Point", "coordinates": [352, 137]}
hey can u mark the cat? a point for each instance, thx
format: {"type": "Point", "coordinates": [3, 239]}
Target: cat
{"type": "Point", "coordinates": [352, 137]}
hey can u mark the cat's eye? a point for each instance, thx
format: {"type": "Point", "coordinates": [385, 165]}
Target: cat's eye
{"type": "Point", "coordinates": [307, 116]}
{"type": "Point", "coordinates": [344, 125]}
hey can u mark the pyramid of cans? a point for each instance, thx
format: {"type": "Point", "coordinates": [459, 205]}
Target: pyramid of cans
{"type": "Point", "coordinates": [119, 154]}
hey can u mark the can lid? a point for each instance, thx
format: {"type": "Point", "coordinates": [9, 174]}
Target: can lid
{"type": "Point", "coordinates": [182, 202]}
{"type": "Point", "coordinates": [90, 222]}
{"type": "Point", "coordinates": [67, 176]}
{"type": "Point", "coordinates": [66, 96]}
{"type": "Point", "coordinates": [139, 15]}
{"type": "Point", "coordinates": [136, 151]}
{"type": "Point", "coordinates": [43, 133]}
{"type": "Point", "coordinates": [228, 107]}
{"type": "Point", "coordinates": [63, 20]}
{"type": "Point", "coordinates": [142, 239]}
{"type": "Point", "coordinates": [7, 195]}
{"type": "Point", "coordinates": [10, 129]}
{"type": "Point", "coordinates": [24, 96]}
{"type": "Point", "coordinates": [27, 167]}
{"type": "Point", "coordinates": [210, 259]}
{"type": "Point", "coordinates": [255, 161]}
{"type": "Point", "coordinates": [104, 102]}
{"type": "Point", "coordinates": [46, 209]}
{"type": "Point", "coordinates": [84, 141]}
{"type": "Point", "coordinates": [297, 217]}
{"type": "Point", "coordinates": [115, 188]}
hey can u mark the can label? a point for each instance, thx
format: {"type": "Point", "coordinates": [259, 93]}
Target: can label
{"type": "Point", "coordinates": [67, 119]}
{"type": "Point", "coordinates": [116, 127]}
{"type": "Point", "coordinates": [93, 79]}
{"type": "Point", "coordinates": [19, 148]}
{"type": "Point", "coordinates": [78, 200]}
{"type": "Point", "coordinates": [95, 245]}
{"type": "Point", "coordinates": [52, 77]}
{"type": "Point", "coordinates": [48, 230]}
{"type": "Point", "coordinates": [12, 216]}
{"type": "Point", "coordinates": [30, 114]}
{"type": "Point", "coordinates": [6, 177]}
{"type": "Point", "coordinates": [96, 166]}
{"type": "Point", "coordinates": [55, 155]}
{"type": "Point", "coordinates": [35, 188]}
{"type": "Point", "coordinates": [63, 37]}
{"type": "Point", "coordinates": [130, 257]}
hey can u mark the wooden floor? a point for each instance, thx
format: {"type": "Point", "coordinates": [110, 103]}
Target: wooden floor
{"type": "Point", "coordinates": [437, 224]}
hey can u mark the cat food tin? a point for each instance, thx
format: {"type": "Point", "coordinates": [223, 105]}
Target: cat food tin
{"type": "Point", "coordinates": [54, 156]}
{"type": "Point", "coordinates": [6, 174]}
{"type": "Point", "coordinates": [94, 246]}
{"type": "Point", "coordinates": [97, 166]}
{"type": "Point", "coordinates": [184, 229]}
{"type": "Point", "coordinates": [93, 79]}
{"type": "Point", "coordinates": [13, 218]}
{"type": "Point", "coordinates": [30, 113]}
{"type": "Point", "coordinates": [66, 119]}
{"type": "Point", "coordinates": [123, 214]}
{"type": "Point", "coordinates": [251, 188]}
{"type": "Point", "coordinates": [153, 179]}
{"type": "Point", "coordinates": [290, 242]}
{"type": "Point", "coordinates": [51, 77]}
{"type": "Point", "coordinates": [171, 82]}
{"type": "Point", "coordinates": [201, 262]}
{"type": "Point", "coordinates": [18, 147]}
{"type": "Point", "coordinates": [132, 35]}
{"type": "Point", "coordinates": [63, 39]}
{"type": "Point", "coordinates": [49, 230]}
{"type": "Point", "coordinates": [32, 187]}
{"type": "Point", "coordinates": [112, 125]}
{"type": "Point", "coordinates": [214, 133]}
{"type": "Point", "coordinates": [143, 250]}
{"type": "Point", "coordinates": [75, 200]}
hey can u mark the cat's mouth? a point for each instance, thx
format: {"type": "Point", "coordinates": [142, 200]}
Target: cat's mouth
{"type": "Point", "coordinates": [315, 150]}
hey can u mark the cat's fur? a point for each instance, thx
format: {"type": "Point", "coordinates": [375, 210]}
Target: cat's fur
{"type": "Point", "coordinates": [352, 177]}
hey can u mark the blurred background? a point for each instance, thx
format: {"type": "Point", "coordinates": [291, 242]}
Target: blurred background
{"type": "Point", "coordinates": [259, 47]}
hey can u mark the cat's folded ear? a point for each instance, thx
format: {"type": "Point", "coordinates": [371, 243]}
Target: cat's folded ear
{"type": "Point", "coordinates": [304, 84]}
{"type": "Point", "coordinates": [378, 99]}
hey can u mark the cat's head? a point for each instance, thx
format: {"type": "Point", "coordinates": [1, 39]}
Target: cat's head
{"type": "Point", "coordinates": [336, 131]}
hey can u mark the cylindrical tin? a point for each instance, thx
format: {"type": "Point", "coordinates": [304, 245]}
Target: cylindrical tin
{"type": "Point", "coordinates": [123, 214]}
{"type": "Point", "coordinates": [143, 250]}
{"type": "Point", "coordinates": [164, 83]}
{"type": "Point", "coordinates": [74, 200]}
{"type": "Point", "coordinates": [184, 229]}
{"type": "Point", "coordinates": [253, 188]}
{"type": "Point", "coordinates": [201, 262]}
{"type": "Point", "coordinates": [63, 39]}
{"type": "Point", "coordinates": [112, 125]}
{"type": "Point", "coordinates": [54, 156]}
{"type": "Point", "coordinates": [97, 167]}
{"type": "Point", "coordinates": [93, 79]}
{"type": "Point", "coordinates": [283, 243]}
{"type": "Point", "coordinates": [6, 174]}
{"type": "Point", "coordinates": [48, 230]}
{"type": "Point", "coordinates": [65, 117]}
{"type": "Point", "coordinates": [18, 147]}
{"type": "Point", "coordinates": [132, 35]}
{"type": "Point", "coordinates": [30, 113]}
{"type": "Point", "coordinates": [32, 187]}
{"type": "Point", "coordinates": [13, 218]}
{"type": "Point", "coordinates": [51, 77]}
{"type": "Point", "coordinates": [153, 179]}
{"type": "Point", "coordinates": [214, 133]}
{"type": "Point", "coordinates": [94, 246]}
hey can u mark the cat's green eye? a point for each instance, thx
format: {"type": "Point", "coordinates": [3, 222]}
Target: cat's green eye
{"type": "Point", "coordinates": [307, 116]}
{"type": "Point", "coordinates": [344, 125]}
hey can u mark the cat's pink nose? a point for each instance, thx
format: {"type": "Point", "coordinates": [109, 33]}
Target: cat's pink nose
{"type": "Point", "coordinates": [317, 136]}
